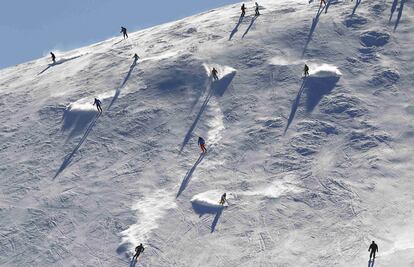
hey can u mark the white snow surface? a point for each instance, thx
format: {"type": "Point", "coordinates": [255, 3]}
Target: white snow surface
{"type": "Point", "coordinates": [324, 71]}
{"type": "Point", "coordinates": [315, 168]}
{"type": "Point", "coordinates": [209, 199]}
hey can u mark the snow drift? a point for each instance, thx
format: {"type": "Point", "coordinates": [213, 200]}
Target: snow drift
{"type": "Point", "coordinates": [207, 202]}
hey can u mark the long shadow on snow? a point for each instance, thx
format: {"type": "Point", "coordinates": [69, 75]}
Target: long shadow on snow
{"type": "Point", "coordinates": [133, 263]}
{"type": "Point", "coordinates": [76, 122]}
{"type": "Point", "coordinates": [357, 2]}
{"type": "Point", "coordinates": [199, 94]}
{"type": "Point", "coordinates": [69, 157]}
{"type": "Point", "coordinates": [371, 263]}
{"type": "Point", "coordinates": [202, 209]}
{"type": "Point", "coordinates": [233, 32]}
{"type": "Point", "coordinates": [316, 88]}
{"type": "Point", "coordinates": [393, 8]}
{"type": "Point", "coordinates": [251, 24]}
{"type": "Point", "coordinates": [328, 4]}
{"type": "Point", "coordinates": [218, 88]}
{"type": "Point", "coordinates": [295, 106]}
{"type": "Point", "coordinates": [200, 112]}
{"type": "Point", "coordinates": [118, 42]}
{"type": "Point", "coordinates": [188, 175]}
{"type": "Point", "coordinates": [400, 10]}
{"type": "Point", "coordinates": [315, 21]}
{"type": "Point", "coordinates": [63, 60]}
{"type": "Point", "coordinates": [118, 90]}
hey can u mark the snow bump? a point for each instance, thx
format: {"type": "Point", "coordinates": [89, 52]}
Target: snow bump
{"type": "Point", "coordinates": [374, 38]}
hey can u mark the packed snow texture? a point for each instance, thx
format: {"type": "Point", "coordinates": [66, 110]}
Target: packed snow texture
{"type": "Point", "coordinates": [208, 200]}
{"type": "Point", "coordinates": [314, 168]}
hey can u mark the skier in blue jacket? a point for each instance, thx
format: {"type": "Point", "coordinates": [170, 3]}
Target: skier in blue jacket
{"type": "Point", "coordinates": [202, 144]}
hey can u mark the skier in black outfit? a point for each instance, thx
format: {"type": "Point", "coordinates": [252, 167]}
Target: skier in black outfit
{"type": "Point", "coordinates": [53, 57]}
{"type": "Point", "coordinates": [124, 32]}
{"type": "Point", "coordinates": [374, 249]}
{"type": "Point", "coordinates": [243, 9]}
{"type": "Point", "coordinates": [138, 250]}
{"type": "Point", "coordinates": [136, 57]}
{"type": "Point", "coordinates": [306, 70]}
{"type": "Point", "coordinates": [223, 199]}
{"type": "Point", "coordinates": [98, 103]}
{"type": "Point", "coordinates": [257, 9]}
{"type": "Point", "coordinates": [214, 73]}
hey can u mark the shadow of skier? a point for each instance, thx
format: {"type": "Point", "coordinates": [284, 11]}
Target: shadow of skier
{"type": "Point", "coordinates": [188, 175]}
{"type": "Point", "coordinates": [216, 219]}
{"type": "Point", "coordinates": [357, 2]}
{"type": "Point", "coordinates": [233, 32]}
{"type": "Point", "coordinates": [315, 21]}
{"type": "Point", "coordinates": [393, 8]}
{"type": "Point", "coordinates": [400, 10]}
{"type": "Point", "coordinates": [63, 60]}
{"type": "Point", "coordinates": [371, 263]}
{"type": "Point", "coordinates": [199, 114]}
{"type": "Point", "coordinates": [69, 157]}
{"type": "Point", "coordinates": [118, 90]}
{"type": "Point", "coordinates": [295, 105]}
{"type": "Point", "coordinates": [328, 4]}
{"type": "Point", "coordinates": [251, 24]}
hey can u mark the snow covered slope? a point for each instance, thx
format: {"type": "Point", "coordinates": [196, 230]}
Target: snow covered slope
{"type": "Point", "coordinates": [314, 169]}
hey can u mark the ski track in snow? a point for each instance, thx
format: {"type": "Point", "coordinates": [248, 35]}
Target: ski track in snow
{"type": "Point", "coordinates": [149, 211]}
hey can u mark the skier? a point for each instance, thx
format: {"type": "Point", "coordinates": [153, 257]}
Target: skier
{"type": "Point", "coordinates": [243, 9]}
{"type": "Point", "coordinates": [136, 57]}
{"type": "Point", "coordinates": [223, 199]}
{"type": "Point", "coordinates": [53, 57]}
{"type": "Point", "coordinates": [214, 73]}
{"type": "Point", "coordinates": [138, 250]}
{"type": "Point", "coordinates": [257, 9]}
{"type": "Point", "coordinates": [324, 3]}
{"type": "Point", "coordinates": [306, 70]}
{"type": "Point", "coordinates": [202, 144]}
{"type": "Point", "coordinates": [124, 32]}
{"type": "Point", "coordinates": [374, 249]}
{"type": "Point", "coordinates": [98, 103]}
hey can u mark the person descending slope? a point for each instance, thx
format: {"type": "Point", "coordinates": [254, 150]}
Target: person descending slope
{"type": "Point", "coordinates": [306, 70]}
{"type": "Point", "coordinates": [243, 9]}
{"type": "Point", "coordinates": [324, 3]}
{"type": "Point", "coordinates": [124, 32]}
{"type": "Point", "coordinates": [202, 144]}
{"type": "Point", "coordinates": [98, 103]}
{"type": "Point", "coordinates": [138, 250]}
{"type": "Point", "coordinates": [223, 199]}
{"type": "Point", "coordinates": [136, 57]}
{"type": "Point", "coordinates": [374, 249]}
{"type": "Point", "coordinates": [53, 57]}
{"type": "Point", "coordinates": [257, 9]}
{"type": "Point", "coordinates": [214, 73]}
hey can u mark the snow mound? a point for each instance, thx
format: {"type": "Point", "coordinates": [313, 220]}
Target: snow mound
{"type": "Point", "coordinates": [324, 71]}
{"type": "Point", "coordinates": [226, 75]}
{"type": "Point", "coordinates": [77, 117]}
{"type": "Point", "coordinates": [223, 71]}
{"type": "Point", "coordinates": [374, 38]}
{"type": "Point", "coordinates": [208, 202]}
